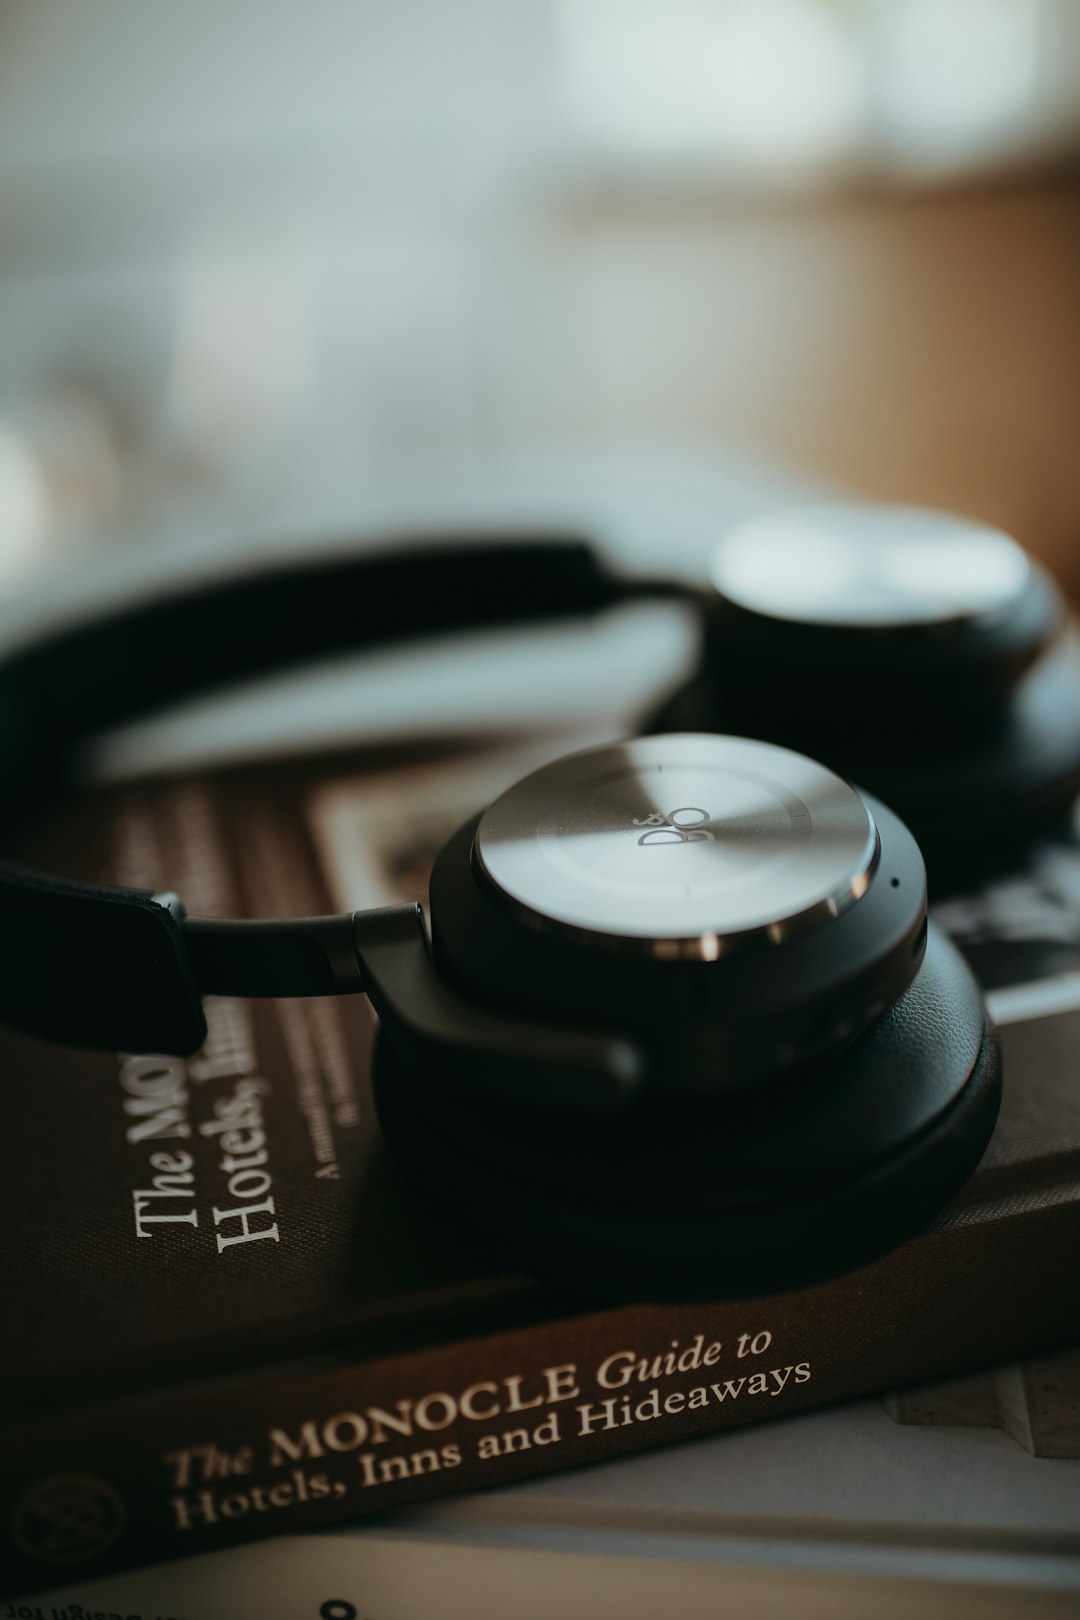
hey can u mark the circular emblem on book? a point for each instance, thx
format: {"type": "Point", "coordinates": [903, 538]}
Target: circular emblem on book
{"type": "Point", "coordinates": [67, 1518]}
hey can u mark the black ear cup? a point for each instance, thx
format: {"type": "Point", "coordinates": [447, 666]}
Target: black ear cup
{"type": "Point", "coordinates": [778, 1190]}
{"type": "Point", "coordinates": [923, 657]}
{"type": "Point", "coordinates": [817, 1072]}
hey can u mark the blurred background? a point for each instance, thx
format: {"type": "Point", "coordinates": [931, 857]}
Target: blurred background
{"type": "Point", "coordinates": [269, 267]}
{"type": "Point", "coordinates": [261, 257]}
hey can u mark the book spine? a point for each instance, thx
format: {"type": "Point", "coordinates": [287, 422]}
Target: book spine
{"type": "Point", "coordinates": [194, 1468]}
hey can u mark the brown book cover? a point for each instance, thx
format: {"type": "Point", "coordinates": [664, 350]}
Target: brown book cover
{"type": "Point", "coordinates": [224, 1317]}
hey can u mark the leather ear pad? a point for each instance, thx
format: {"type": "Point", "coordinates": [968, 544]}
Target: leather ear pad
{"type": "Point", "coordinates": [970, 793]}
{"type": "Point", "coordinates": [809, 1178]}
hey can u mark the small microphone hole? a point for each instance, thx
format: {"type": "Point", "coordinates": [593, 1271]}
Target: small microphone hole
{"type": "Point", "coordinates": [894, 882]}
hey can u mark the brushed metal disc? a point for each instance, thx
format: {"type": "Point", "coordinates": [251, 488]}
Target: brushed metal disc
{"type": "Point", "coordinates": [685, 844]}
{"type": "Point", "coordinates": [869, 566]}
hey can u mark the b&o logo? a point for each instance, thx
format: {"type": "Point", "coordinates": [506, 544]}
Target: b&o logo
{"type": "Point", "coordinates": [687, 825]}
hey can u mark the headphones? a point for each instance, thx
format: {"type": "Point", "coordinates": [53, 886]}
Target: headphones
{"type": "Point", "coordinates": [682, 1028]}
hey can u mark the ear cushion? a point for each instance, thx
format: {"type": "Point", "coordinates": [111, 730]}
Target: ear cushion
{"type": "Point", "coordinates": [811, 1178]}
{"type": "Point", "coordinates": [971, 792]}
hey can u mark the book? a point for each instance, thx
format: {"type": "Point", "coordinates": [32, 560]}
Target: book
{"type": "Point", "coordinates": [840, 1513]}
{"type": "Point", "coordinates": [225, 1319]}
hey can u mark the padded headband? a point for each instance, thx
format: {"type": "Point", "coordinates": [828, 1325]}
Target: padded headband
{"type": "Point", "coordinates": [122, 968]}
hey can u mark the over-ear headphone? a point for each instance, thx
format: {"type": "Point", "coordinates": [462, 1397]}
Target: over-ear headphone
{"type": "Point", "coordinates": [798, 1070]}
{"type": "Point", "coordinates": [926, 657]}
{"type": "Point", "coordinates": [681, 1029]}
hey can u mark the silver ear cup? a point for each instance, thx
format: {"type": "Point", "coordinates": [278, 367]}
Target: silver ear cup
{"type": "Point", "coordinates": [680, 845]}
{"type": "Point", "coordinates": [891, 568]}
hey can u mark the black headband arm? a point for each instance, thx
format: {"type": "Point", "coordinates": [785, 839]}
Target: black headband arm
{"type": "Point", "coordinates": [134, 971]}
{"type": "Point", "coordinates": [98, 674]}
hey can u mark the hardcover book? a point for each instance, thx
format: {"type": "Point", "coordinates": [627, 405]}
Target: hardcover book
{"type": "Point", "coordinates": [843, 1513]}
{"type": "Point", "coordinates": [226, 1319]}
